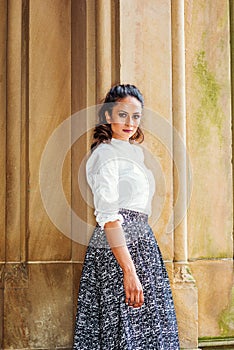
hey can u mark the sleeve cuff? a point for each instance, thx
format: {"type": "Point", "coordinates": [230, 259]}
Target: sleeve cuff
{"type": "Point", "coordinates": [103, 219]}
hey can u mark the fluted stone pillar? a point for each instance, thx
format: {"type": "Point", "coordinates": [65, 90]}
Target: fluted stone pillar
{"type": "Point", "coordinates": [185, 291]}
{"type": "Point", "coordinates": [3, 104]}
{"type": "Point", "coordinates": [36, 271]}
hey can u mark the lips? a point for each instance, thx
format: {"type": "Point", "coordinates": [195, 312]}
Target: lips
{"type": "Point", "coordinates": [127, 130]}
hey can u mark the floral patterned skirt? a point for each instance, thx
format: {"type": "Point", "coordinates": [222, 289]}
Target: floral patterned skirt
{"type": "Point", "coordinates": [104, 321]}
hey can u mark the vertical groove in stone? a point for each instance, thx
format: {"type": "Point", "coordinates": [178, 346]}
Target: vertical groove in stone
{"type": "Point", "coordinates": [91, 52]}
{"type": "Point", "coordinates": [3, 34]}
{"type": "Point", "coordinates": [24, 173]}
{"type": "Point", "coordinates": [13, 144]}
{"type": "Point", "coordinates": [78, 55]}
{"type": "Point", "coordinates": [115, 44]}
{"type": "Point", "coordinates": [17, 130]}
{"type": "Point", "coordinates": [183, 282]}
{"type": "Point", "coordinates": [231, 9]}
{"type": "Point", "coordinates": [103, 40]}
{"type": "Point", "coordinates": [179, 122]}
{"type": "Point", "coordinates": [3, 39]}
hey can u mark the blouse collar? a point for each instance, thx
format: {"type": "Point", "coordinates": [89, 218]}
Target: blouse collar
{"type": "Point", "coordinates": [119, 140]}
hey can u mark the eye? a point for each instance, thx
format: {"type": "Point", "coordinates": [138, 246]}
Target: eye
{"type": "Point", "coordinates": [122, 115]}
{"type": "Point", "coordinates": [136, 116]}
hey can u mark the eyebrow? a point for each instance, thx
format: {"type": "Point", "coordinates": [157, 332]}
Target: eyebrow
{"type": "Point", "coordinates": [122, 110]}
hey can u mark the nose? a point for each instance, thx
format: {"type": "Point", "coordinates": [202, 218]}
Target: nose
{"type": "Point", "coordinates": [129, 120]}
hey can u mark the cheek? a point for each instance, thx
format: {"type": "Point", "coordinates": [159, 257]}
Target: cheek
{"type": "Point", "coordinates": [117, 125]}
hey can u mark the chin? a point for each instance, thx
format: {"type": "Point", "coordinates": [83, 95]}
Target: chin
{"type": "Point", "coordinates": [127, 135]}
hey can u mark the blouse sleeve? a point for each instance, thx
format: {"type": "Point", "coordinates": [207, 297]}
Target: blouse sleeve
{"type": "Point", "coordinates": [103, 178]}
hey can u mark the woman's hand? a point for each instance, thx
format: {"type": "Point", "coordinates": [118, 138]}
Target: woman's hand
{"type": "Point", "coordinates": [132, 285]}
{"type": "Point", "coordinates": [133, 289]}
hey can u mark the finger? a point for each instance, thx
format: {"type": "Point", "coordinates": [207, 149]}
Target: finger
{"type": "Point", "coordinates": [127, 297]}
{"type": "Point", "coordinates": [137, 298]}
{"type": "Point", "coordinates": [138, 304]}
{"type": "Point", "coordinates": [132, 299]}
{"type": "Point", "coordinates": [141, 297]}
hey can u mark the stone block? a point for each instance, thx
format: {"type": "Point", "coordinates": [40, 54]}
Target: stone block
{"type": "Point", "coordinates": [40, 314]}
{"type": "Point", "coordinates": [214, 281]}
{"type": "Point", "coordinates": [185, 296]}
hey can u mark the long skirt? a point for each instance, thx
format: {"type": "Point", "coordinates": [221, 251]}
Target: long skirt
{"type": "Point", "coordinates": [104, 321]}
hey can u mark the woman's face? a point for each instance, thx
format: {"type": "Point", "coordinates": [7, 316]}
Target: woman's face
{"type": "Point", "coordinates": [125, 118]}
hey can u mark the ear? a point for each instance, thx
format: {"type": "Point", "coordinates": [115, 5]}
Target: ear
{"type": "Point", "coordinates": [108, 117]}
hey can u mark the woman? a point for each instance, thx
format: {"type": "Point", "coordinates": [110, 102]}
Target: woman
{"type": "Point", "coordinates": [125, 300]}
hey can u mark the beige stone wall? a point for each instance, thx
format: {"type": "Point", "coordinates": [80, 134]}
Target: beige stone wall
{"type": "Point", "coordinates": [60, 56]}
{"type": "Point", "coordinates": [210, 222]}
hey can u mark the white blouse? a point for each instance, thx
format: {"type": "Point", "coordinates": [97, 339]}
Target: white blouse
{"type": "Point", "coordinates": [118, 178]}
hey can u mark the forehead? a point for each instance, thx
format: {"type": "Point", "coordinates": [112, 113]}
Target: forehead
{"type": "Point", "coordinates": [128, 103]}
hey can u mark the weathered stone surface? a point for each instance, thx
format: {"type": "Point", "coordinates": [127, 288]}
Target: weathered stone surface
{"type": "Point", "coordinates": [1, 305]}
{"type": "Point", "coordinates": [40, 316]}
{"type": "Point", "coordinates": [185, 298]}
{"type": "Point", "coordinates": [13, 131]}
{"type": "Point", "coordinates": [209, 128]}
{"type": "Point", "coordinates": [15, 276]}
{"type": "Point", "coordinates": [186, 304]}
{"type": "Point", "coordinates": [214, 280]}
{"type": "Point", "coordinates": [50, 104]}
{"type": "Point", "coordinates": [145, 60]}
{"type": "Point", "coordinates": [2, 268]}
{"type": "Point", "coordinates": [1, 317]}
{"type": "Point", "coordinates": [209, 145]}
{"type": "Point", "coordinates": [3, 31]}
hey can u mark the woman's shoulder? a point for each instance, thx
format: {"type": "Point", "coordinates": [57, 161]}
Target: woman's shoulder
{"type": "Point", "coordinates": [104, 149]}
{"type": "Point", "coordinates": [103, 152]}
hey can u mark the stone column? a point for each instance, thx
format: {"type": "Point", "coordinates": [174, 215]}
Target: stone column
{"type": "Point", "coordinates": [209, 141]}
{"type": "Point", "coordinates": [185, 291]}
{"type": "Point", "coordinates": [3, 34]}
{"type": "Point", "coordinates": [103, 54]}
{"type": "Point", "coordinates": [36, 281]}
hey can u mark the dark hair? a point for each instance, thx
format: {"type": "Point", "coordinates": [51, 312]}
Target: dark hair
{"type": "Point", "coordinates": [102, 131]}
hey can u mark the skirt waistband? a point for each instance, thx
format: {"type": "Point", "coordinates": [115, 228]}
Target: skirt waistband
{"type": "Point", "coordinates": [135, 226]}
{"type": "Point", "coordinates": [131, 216]}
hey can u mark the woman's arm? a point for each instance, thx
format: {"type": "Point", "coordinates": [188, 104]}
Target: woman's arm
{"type": "Point", "coordinates": [132, 286]}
